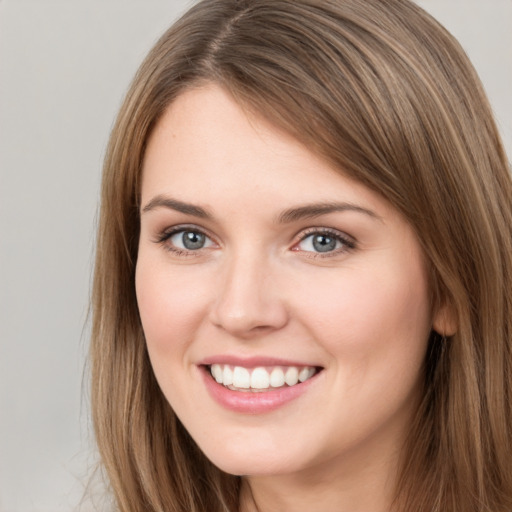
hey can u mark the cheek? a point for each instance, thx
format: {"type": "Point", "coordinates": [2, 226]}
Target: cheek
{"type": "Point", "coordinates": [171, 305]}
{"type": "Point", "coordinates": [375, 329]}
{"type": "Point", "coordinates": [362, 313]}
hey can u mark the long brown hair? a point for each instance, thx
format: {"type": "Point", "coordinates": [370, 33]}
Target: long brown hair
{"type": "Point", "coordinates": [386, 95]}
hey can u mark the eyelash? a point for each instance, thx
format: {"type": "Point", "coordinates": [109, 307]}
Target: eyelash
{"type": "Point", "coordinates": [167, 234]}
{"type": "Point", "coordinates": [348, 243]}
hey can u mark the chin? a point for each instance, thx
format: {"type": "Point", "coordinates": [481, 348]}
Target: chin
{"type": "Point", "coordinates": [253, 462]}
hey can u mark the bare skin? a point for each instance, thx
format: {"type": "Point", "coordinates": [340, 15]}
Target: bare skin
{"type": "Point", "coordinates": [252, 248]}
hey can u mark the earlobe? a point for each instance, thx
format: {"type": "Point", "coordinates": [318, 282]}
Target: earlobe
{"type": "Point", "coordinates": [445, 321]}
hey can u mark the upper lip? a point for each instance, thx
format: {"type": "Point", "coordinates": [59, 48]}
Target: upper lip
{"type": "Point", "coordinates": [252, 362]}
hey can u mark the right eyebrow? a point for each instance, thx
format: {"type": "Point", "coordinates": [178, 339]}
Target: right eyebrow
{"type": "Point", "coordinates": [161, 201]}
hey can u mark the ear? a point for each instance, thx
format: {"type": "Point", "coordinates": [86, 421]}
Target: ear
{"type": "Point", "coordinates": [445, 321]}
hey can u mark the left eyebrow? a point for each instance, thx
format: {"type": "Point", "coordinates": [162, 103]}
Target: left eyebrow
{"type": "Point", "coordinates": [310, 211]}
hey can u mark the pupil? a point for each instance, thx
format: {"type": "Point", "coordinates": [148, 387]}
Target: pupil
{"type": "Point", "coordinates": [193, 240]}
{"type": "Point", "coordinates": [323, 243]}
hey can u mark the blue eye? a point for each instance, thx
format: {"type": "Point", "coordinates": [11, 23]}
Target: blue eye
{"type": "Point", "coordinates": [186, 240]}
{"type": "Point", "coordinates": [324, 242]}
{"type": "Point", "coordinates": [190, 240]}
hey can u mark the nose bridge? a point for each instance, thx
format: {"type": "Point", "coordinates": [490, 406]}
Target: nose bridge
{"type": "Point", "coordinates": [248, 300]}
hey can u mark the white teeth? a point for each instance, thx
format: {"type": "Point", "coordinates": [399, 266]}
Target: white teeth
{"type": "Point", "coordinates": [260, 378]}
{"type": "Point", "coordinates": [277, 378]}
{"type": "Point", "coordinates": [305, 374]}
{"type": "Point", "coordinates": [227, 376]}
{"type": "Point", "coordinates": [291, 376]}
{"type": "Point", "coordinates": [241, 377]}
{"type": "Point", "coordinates": [217, 373]}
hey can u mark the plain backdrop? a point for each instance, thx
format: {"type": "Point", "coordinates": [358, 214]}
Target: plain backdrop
{"type": "Point", "coordinates": [64, 67]}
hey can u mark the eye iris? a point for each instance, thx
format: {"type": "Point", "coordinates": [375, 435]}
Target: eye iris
{"type": "Point", "coordinates": [324, 243]}
{"type": "Point", "coordinates": [192, 240]}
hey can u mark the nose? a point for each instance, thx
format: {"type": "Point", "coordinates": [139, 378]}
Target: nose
{"type": "Point", "coordinates": [249, 301]}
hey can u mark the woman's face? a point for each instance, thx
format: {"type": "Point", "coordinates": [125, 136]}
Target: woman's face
{"type": "Point", "coordinates": [302, 291]}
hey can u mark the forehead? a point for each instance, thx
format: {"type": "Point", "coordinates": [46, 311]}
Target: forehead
{"type": "Point", "coordinates": [207, 147]}
{"type": "Point", "coordinates": [206, 125]}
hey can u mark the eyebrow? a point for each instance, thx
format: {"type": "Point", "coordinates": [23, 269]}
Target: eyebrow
{"type": "Point", "coordinates": [310, 211]}
{"type": "Point", "coordinates": [173, 204]}
{"type": "Point", "coordinates": [295, 214]}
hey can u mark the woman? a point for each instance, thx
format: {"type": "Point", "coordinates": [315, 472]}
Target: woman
{"type": "Point", "coordinates": [302, 296]}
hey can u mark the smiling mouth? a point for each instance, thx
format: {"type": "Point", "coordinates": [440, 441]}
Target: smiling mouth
{"type": "Point", "coordinates": [261, 378]}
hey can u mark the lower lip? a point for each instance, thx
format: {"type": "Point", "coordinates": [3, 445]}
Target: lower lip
{"type": "Point", "coordinates": [249, 402]}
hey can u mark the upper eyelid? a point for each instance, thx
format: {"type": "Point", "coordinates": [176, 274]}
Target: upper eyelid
{"type": "Point", "coordinates": [172, 230]}
{"type": "Point", "coordinates": [164, 236]}
{"type": "Point", "coordinates": [325, 230]}
{"type": "Point", "coordinates": [166, 233]}
{"type": "Point", "coordinates": [349, 243]}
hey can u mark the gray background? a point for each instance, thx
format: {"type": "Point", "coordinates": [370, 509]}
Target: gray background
{"type": "Point", "coordinates": [64, 66]}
